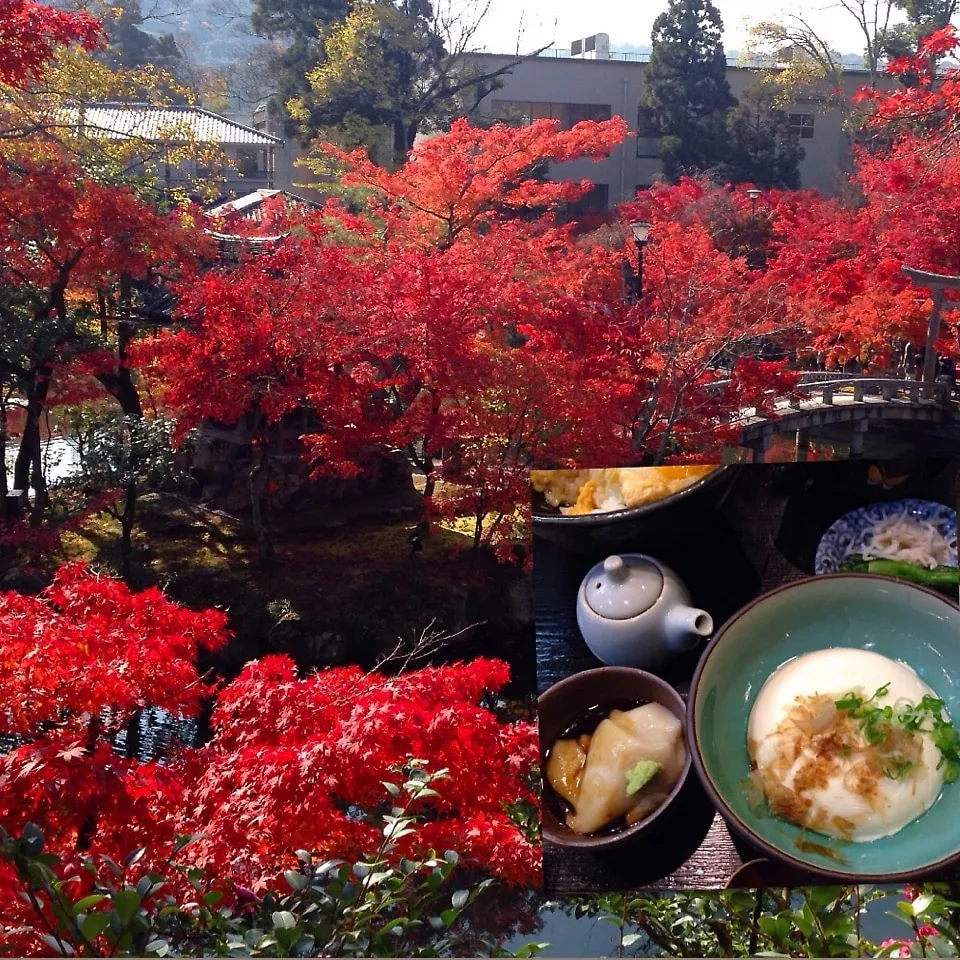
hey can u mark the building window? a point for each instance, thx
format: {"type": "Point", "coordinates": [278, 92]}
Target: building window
{"type": "Point", "coordinates": [595, 200]}
{"type": "Point", "coordinates": [247, 163]}
{"type": "Point", "coordinates": [648, 147]}
{"type": "Point", "coordinates": [573, 113]}
{"type": "Point", "coordinates": [252, 163]}
{"type": "Point", "coordinates": [523, 113]}
{"type": "Point", "coordinates": [802, 124]}
{"type": "Point", "coordinates": [645, 125]}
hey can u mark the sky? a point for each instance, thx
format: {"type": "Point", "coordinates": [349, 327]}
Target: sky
{"type": "Point", "coordinates": [630, 22]}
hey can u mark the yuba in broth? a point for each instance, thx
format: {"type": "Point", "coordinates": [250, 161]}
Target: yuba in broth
{"type": "Point", "coordinates": [591, 772]}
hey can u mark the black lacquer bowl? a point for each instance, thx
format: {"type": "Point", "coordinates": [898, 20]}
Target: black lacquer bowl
{"type": "Point", "coordinates": [614, 528]}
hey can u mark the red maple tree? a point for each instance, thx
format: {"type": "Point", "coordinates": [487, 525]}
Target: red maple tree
{"type": "Point", "coordinates": [301, 762]}
{"type": "Point", "coordinates": [831, 266]}
{"type": "Point", "coordinates": [77, 662]}
{"type": "Point", "coordinates": [70, 248]}
{"type": "Point", "coordinates": [294, 762]}
{"type": "Point", "coordinates": [30, 34]}
{"type": "Point", "coordinates": [460, 320]}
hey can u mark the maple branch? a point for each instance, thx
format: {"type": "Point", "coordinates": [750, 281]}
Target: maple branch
{"type": "Point", "coordinates": [424, 646]}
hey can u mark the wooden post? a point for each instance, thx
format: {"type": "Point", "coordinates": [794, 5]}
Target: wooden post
{"type": "Point", "coordinates": [937, 283]}
{"type": "Point", "coordinates": [933, 331]}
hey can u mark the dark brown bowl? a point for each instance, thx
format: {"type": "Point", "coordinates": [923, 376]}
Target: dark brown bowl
{"type": "Point", "coordinates": [763, 874]}
{"type": "Point", "coordinates": [565, 703]}
{"type": "Point", "coordinates": [613, 528]}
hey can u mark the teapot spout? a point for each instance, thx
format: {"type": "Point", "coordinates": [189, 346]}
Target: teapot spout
{"type": "Point", "coordinates": [685, 626]}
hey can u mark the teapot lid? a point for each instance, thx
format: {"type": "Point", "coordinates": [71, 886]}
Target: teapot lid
{"type": "Point", "coordinates": [619, 588]}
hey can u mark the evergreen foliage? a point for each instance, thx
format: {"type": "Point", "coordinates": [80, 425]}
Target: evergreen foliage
{"type": "Point", "coordinates": [686, 96]}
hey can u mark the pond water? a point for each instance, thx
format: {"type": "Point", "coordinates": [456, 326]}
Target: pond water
{"type": "Point", "coordinates": [568, 936]}
{"type": "Point", "coordinates": [61, 459]}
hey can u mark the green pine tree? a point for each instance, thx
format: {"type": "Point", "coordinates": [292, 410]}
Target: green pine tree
{"type": "Point", "coordinates": [686, 96]}
{"type": "Point", "coordinates": [923, 17]}
{"type": "Point", "coordinates": [761, 147]}
{"type": "Point", "coordinates": [301, 24]}
{"type": "Point", "coordinates": [131, 46]}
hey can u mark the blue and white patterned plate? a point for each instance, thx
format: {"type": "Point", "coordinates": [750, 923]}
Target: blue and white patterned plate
{"type": "Point", "coordinates": [847, 535]}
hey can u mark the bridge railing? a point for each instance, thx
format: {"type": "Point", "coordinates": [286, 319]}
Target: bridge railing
{"type": "Point", "coordinates": [889, 388]}
{"type": "Point", "coordinates": [808, 376]}
{"type": "Point", "coordinates": [825, 387]}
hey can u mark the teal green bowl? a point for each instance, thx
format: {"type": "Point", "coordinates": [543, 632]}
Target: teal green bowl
{"type": "Point", "coordinates": [891, 617]}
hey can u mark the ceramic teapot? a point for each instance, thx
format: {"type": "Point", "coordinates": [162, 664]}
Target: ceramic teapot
{"type": "Point", "coordinates": [634, 611]}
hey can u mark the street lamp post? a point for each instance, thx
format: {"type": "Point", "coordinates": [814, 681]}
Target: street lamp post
{"type": "Point", "coordinates": [755, 257]}
{"type": "Point", "coordinates": [641, 236]}
{"type": "Point", "coordinates": [937, 283]}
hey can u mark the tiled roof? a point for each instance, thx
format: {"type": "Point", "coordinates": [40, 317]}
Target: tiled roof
{"type": "Point", "coordinates": [120, 121]}
{"type": "Point", "coordinates": [248, 206]}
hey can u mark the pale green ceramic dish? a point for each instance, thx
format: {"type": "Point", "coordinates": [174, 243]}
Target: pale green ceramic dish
{"type": "Point", "coordinates": [896, 619]}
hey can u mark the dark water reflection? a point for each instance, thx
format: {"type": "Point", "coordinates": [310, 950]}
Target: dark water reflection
{"type": "Point", "coordinates": [593, 937]}
{"type": "Point", "coordinates": [155, 732]}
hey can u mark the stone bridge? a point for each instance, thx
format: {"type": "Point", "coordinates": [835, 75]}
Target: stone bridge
{"type": "Point", "coordinates": [824, 399]}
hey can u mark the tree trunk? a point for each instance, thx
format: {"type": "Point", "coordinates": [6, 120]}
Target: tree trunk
{"type": "Point", "coordinates": [124, 390]}
{"type": "Point", "coordinates": [121, 387]}
{"type": "Point", "coordinates": [478, 529]}
{"type": "Point", "coordinates": [41, 499]}
{"type": "Point", "coordinates": [120, 384]}
{"type": "Point", "coordinates": [413, 128]}
{"type": "Point", "coordinates": [31, 435]}
{"type": "Point", "coordinates": [404, 137]}
{"type": "Point", "coordinates": [87, 830]}
{"type": "Point", "coordinates": [3, 457]}
{"type": "Point", "coordinates": [429, 486]}
{"type": "Point", "coordinates": [133, 743]}
{"type": "Point", "coordinates": [259, 477]}
{"type": "Point", "coordinates": [29, 456]}
{"type": "Point", "coordinates": [127, 520]}
{"type": "Point", "coordinates": [399, 142]}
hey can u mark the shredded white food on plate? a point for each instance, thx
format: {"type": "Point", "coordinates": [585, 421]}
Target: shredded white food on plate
{"type": "Point", "coordinates": [909, 539]}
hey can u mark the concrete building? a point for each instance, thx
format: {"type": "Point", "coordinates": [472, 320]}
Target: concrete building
{"type": "Point", "coordinates": [591, 83]}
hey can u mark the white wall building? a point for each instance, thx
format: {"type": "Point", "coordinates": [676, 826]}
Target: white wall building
{"type": "Point", "coordinates": [591, 83]}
